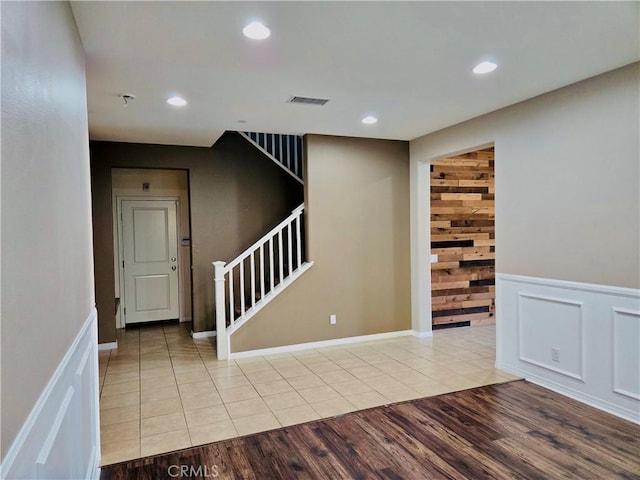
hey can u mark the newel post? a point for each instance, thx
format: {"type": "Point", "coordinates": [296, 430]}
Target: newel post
{"type": "Point", "coordinates": [222, 342]}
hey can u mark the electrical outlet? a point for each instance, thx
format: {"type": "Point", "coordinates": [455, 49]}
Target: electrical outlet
{"type": "Point", "coordinates": [555, 354]}
{"type": "Point", "coordinates": [332, 319]}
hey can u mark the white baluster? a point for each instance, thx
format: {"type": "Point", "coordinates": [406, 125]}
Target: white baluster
{"type": "Point", "coordinates": [271, 266]}
{"type": "Point", "coordinates": [253, 278]}
{"type": "Point", "coordinates": [232, 305]}
{"type": "Point", "coordinates": [298, 239]}
{"type": "Point", "coordinates": [221, 324]}
{"type": "Point", "coordinates": [262, 270]}
{"type": "Point", "coordinates": [280, 255]}
{"type": "Point", "coordinates": [289, 248]}
{"type": "Point", "coordinates": [242, 287]}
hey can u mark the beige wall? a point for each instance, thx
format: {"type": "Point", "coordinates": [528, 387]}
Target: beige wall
{"type": "Point", "coordinates": [357, 193]}
{"type": "Point", "coordinates": [236, 195]}
{"type": "Point", "coordinates": [127, 182]}
{"type": "Point", "coordinates": [47, 273]}
{"type": "Point", "coordinates": [567, 184]}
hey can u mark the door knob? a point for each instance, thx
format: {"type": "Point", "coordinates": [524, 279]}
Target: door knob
{"type": "Point", "coordinates": [173, 259]}
{"type": "Point", "coordinates": [173, 267]}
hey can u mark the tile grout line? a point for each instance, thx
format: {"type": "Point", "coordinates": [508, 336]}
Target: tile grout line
{"type": "Point", "coordinates": [294, 389]}
{"type": "Point", "coordinates": [325, 383]}
{"type": "Point", "coordinates": [164, 334]}
{"type": "Point", "coordinates": [263, 359]}
{"type": "Point", "coordinates": [224, 405]}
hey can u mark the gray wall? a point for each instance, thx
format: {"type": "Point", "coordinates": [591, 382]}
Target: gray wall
{"type": "Point", "coordinates": [567, 184]}
{"type": "Point", "coordinates": [235, 193]}
{"type": "Point", "coordinates": [47, 271]}
{"type": "Point", "coordinates": [357, 219]}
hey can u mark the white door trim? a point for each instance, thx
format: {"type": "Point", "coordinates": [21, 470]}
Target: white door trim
{"type": "Point", "coordinates": [120, 320]}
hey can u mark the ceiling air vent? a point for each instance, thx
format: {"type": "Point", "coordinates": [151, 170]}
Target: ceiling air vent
{"type": "Point", "coordinates": [308, 100]}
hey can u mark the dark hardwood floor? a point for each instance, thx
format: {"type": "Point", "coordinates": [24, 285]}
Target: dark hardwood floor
{"type": "Point", "coordinates": [512, 430]}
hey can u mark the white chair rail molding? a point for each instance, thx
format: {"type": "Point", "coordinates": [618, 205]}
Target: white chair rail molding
{"type": "Point", "coordinates": [579, 339]}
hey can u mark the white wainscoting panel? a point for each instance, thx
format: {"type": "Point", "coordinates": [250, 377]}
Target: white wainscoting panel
{"type": "Point", "coordinates": [581, 340]}
{"type": "Point", "coordinates": [61, 437]}
{"type": "Point", "coordinates": [538, 315]}
{"type": "Point", "coordinates": [626, 352]}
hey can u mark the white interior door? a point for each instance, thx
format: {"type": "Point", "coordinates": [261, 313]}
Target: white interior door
{"type": "Point", "coordinates": [150, 247]}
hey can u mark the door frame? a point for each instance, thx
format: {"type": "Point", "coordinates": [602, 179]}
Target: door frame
{"type": "Point", "coordinates": [120, 320]}
{"type": "Point", "coordinates": [420, 221]}
{"type": "Point", "coordinates": [430, 203]}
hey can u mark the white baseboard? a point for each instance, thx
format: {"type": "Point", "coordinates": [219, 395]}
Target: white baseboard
{"type": "Point", "coordinates": [322, 343]}
{"type": "Point", "coordinates": [205, 334]}
{"type": "Point", "coordinates": [61, 436]}
{"type": "Point", "coordinates": [108, 346]}
{"type": "Point", "coordinates": [418, 334]}
{"type": "Point", "coordinates": [578, 339]}
{"type": "Point", "coordinates": [613, 409]}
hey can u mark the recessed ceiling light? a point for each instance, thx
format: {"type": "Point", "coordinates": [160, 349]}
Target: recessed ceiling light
{"type": "Point", "coordinates": [484, 67]}
{"type": "Point", "coordinates": [177, 101]}
{"type": "Point", "coordinates": [256, 31]}
{"type": "Point", "coordinates": [369, 120]}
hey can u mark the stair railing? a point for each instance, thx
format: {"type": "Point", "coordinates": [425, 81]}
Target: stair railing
{"type": "Point", "coordinates": [261, 271]}
{"type": "Point", "coordinates": [285, 150]}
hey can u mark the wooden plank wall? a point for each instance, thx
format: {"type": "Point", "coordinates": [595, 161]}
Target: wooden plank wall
{"type": "Point", "coordinates": [463, 237]}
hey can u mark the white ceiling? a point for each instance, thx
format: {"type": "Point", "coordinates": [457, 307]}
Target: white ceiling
{"type": "Point", "coordinates": [409, 63]}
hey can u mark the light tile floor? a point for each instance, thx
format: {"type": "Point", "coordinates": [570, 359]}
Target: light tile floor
{"type": "Point", "coordinates": [162, 391]}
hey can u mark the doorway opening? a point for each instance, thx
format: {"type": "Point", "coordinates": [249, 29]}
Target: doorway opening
{"type": "Point", "coordinates": [152, 247]}
{"type": "Point", "coordinates": [463, 239]}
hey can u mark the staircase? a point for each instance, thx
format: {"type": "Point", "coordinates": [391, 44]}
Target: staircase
{"type": "Point", "coordinates": [249, 282]}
